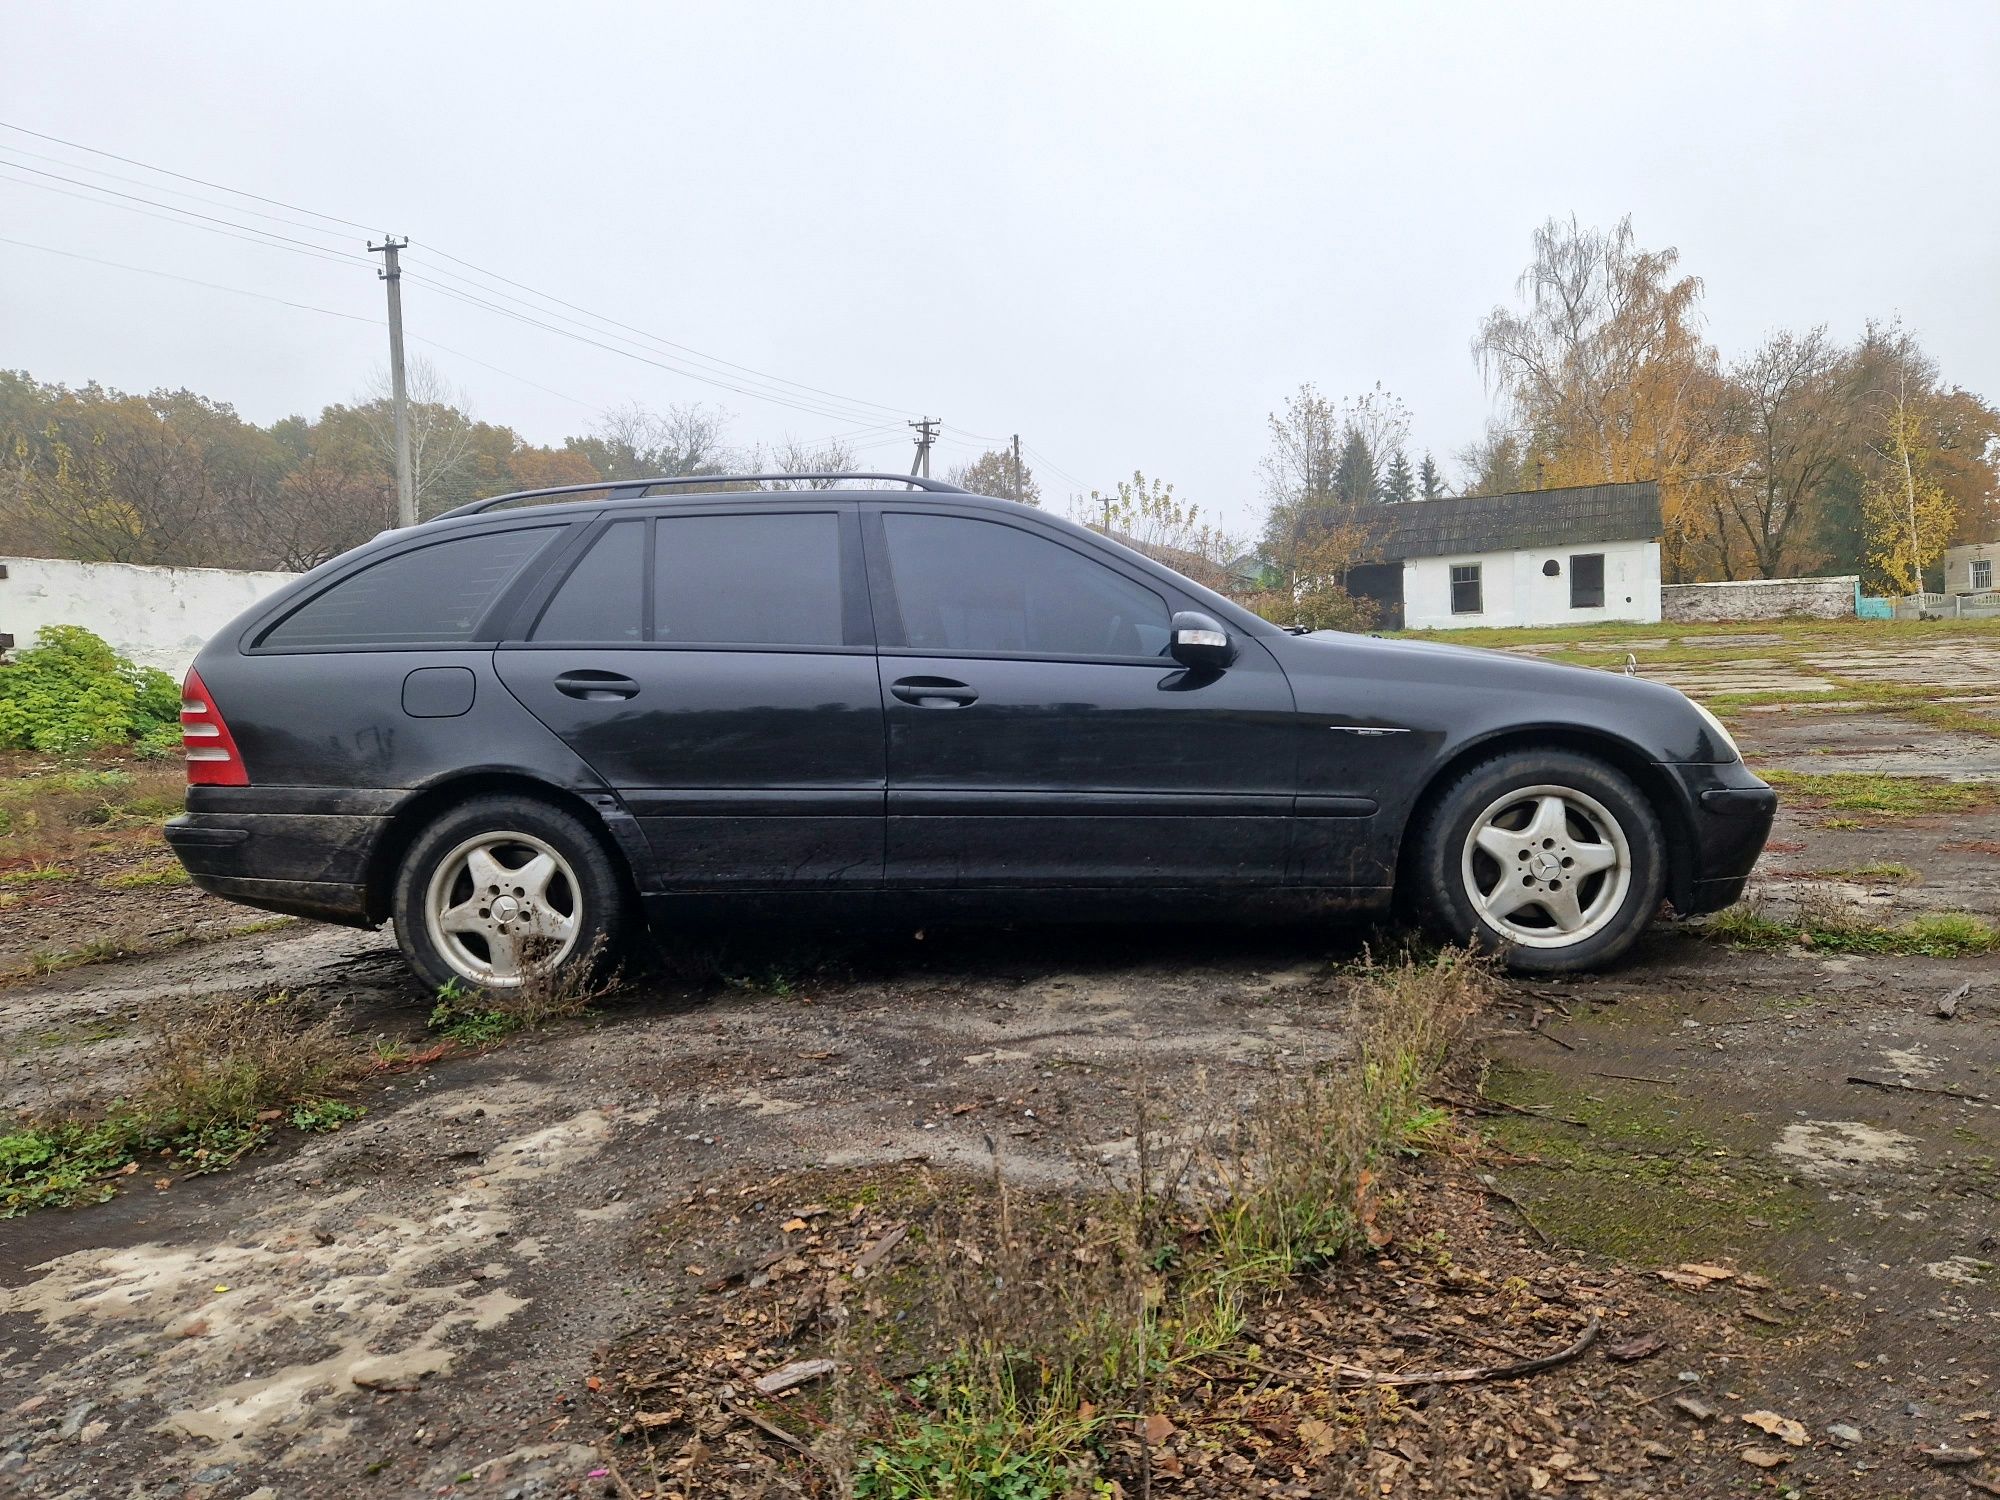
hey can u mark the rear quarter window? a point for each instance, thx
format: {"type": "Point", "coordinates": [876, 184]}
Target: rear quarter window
{"type": "Point", "coordinates": [431, 595]}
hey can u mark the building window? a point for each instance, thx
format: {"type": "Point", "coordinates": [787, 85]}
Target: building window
{"type": "Point", "coordinates": [1465, 598]}
{"type": "Point", "coordinates": [1982, 574]}
{"type": "Point", "coordinates": [1586, 580]}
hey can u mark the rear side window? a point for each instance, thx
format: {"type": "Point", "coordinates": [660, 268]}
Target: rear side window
{"type": "Point", "coordinates": [967, 585]}
{"type": "Point", "coordinates": [603, 599]}
{"type": "Point", "coordinates": [747, 580]}
{"type": "Point", "coordinates": [430, 595]}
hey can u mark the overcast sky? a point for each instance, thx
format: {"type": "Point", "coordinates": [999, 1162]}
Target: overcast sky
{"type": "Point", "coordinates": [1124, 231]}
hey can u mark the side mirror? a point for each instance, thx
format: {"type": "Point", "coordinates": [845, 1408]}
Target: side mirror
{"type": "Point", "coordinates": [1200, 642]}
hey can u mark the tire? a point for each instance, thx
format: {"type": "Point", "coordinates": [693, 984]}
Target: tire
{"type": "Point", "coordinates": [1549, 858]}
{"type": "Point", "coordinates": [553, 898]}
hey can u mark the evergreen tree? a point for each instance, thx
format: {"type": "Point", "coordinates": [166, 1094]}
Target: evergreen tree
{"type": "Point", "coordinates": [1399, 481]}
{"type": "Point", "coordinates": [1430, 479]}
{"type": "Point", "coordinates": [1355, 474]}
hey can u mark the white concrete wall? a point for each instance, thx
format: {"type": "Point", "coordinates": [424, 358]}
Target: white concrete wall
{"type": "Point", "coordinates": [160, 617]}
{"type": "Point", "coordinates": [1516, 592]}
{"type": "Point", "coordinates": [1762, 599]}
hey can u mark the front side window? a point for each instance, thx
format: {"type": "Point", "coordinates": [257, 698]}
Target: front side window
{"type": "Point", "coordinates": [747, 580]}
{"type": "Point", "coordinates": [1982, 573]}
{"type": "Point", "coordinates": [603, 599]}
{"type": "Point", "coordinates": [970, 585]}
{"type": "Point", "coordinates": [431, 595]}
{"type": "Point", "coordinates": [1586, 580]}
{"type": "Point", "coordinates": [1465, 597]}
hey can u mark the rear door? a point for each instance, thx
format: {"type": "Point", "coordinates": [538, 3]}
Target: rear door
{"type": "Point", "coordinates": [1038, 733]}
{"type": "Point", "coordinates": [715, 665]}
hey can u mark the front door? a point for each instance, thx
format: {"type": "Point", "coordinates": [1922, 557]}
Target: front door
{"type": "Point", "coordinates": [1038, 733]}
{"type": "Point", "coordinates": [716, 667]}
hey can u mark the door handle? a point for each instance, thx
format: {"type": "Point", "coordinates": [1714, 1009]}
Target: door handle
{"type": "Point", "coordinates": [934, 692]}
{"type": "Point", "coordinates": [596, 687]}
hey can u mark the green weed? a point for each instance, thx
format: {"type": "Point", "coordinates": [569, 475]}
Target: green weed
{"type": "Point", "coordinates": [215, 1085]}
{"type": "Point", "coordinates": [1829, 930]}
{"type": "Point", "coordinates": [1896, 796]}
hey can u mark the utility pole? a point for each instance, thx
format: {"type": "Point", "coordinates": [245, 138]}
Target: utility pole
{"type": "Point", "coordinates": [926, 435]}
{"type": "Point", "coordinates": [392, 272]}
{"type": "Point", "coordinates": [1017, 468]}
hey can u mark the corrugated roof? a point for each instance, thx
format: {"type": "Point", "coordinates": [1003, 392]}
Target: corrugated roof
{"type": "Point", "coordinates": [1530, 520]}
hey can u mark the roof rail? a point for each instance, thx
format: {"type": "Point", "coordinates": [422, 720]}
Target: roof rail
{"type": "Point", "coordinates": [634, 489]}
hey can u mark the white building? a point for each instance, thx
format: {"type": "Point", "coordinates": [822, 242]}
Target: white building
{"type": "Point", "coordinates": [1972, 568]}
{"type": "Point", "coordinates": [1571, 556]}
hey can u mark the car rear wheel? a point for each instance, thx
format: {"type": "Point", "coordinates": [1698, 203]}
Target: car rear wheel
{"type": "Point", "coordinates": [1551, 858]}
{"type": "Point", "coordinates": [500, 889]}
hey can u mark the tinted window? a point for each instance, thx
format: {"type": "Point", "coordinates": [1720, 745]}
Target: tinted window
{"type": "Point", "coordinates": [432, 594]}
{"type": "Point", "coordinates": [966, 585]}
{"type": "Point", "coordinates": [1465, 591]}
{"type": "Point", "coordinates": [1586, 580]}
{"type": "Point", "coordinates": [603, 599]}
{"type": "Point", "coordinates": [748, 580]}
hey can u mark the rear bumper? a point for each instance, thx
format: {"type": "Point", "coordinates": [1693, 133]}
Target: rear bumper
{"type": "Point", "coordinates": [1729, 814]}
{"type": "Point", "coordinates": [304, 864]}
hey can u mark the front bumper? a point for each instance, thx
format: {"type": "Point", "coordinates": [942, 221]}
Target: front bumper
{"type": "Point", "coordinates": [1727, 812]}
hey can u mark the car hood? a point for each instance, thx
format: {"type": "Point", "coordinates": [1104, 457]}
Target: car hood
{"type": "Point", "coordinates": [1469, 689]}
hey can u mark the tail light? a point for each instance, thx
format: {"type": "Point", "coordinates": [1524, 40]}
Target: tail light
{"type": "Point", "coordinates": [212, 756]}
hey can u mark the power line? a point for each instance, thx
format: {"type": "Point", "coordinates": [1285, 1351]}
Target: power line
{"type": "Point", "coordinates": [198, 181]}
{"type": "Point", "coordinates": [154, 187]}
{"type": "Point", "coordinates": [246, 232]}
{"type": "Point", "coordinates": [214, 286]}
{"type": "Point", "coordinates": [176, 208]}
{"type": "Point", "coordinates": [568, 333]}
{"type": "Point", "coordinates": [315, 252]}
{"type": "Point", "coordinates": [658, 339]}
{"type": "Point", "coordinates": [773, 388]}
{"type": "Point", "coordinates": [238, 291]}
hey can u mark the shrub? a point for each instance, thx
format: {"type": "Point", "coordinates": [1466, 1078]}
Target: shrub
{"type": "Point", "coordinates": [70, 691]}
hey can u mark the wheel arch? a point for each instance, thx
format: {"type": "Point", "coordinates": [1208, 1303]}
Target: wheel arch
{"type": "Point", "coordinates": [1654, 783]}
{"type": "Point", "coordinates": [417, 812]}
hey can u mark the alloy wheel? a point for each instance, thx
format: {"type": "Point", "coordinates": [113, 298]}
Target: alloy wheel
{"type": "Point", "coordinates": [1546, 866]}
{"type": "Point", "coordinates": [501, 905]}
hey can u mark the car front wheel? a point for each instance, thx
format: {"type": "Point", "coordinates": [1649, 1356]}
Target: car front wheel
{"type": "Point", "coordinates": [1553, 859]}
{"type": "Point", "coordinates": [502, 888]}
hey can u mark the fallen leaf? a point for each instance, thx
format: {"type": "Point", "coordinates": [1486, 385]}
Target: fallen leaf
{"type": "Point", "coordinates": [594, 1383]}
{"type": "Point", "coordinates": [1764, 1458]}
{"type": "Point", "coordinates": [1946, 1457]}
{"type": "Point", "coordinates": [798, 1372]}
{"type": "Point", "coordinates": [1159, 1427]}
{"type": "Point", "coordinates": [1318, 1438]}
{"type": "Point", "coordinates": [793, 1226]}
{"type": "Point", "coordinates": [1708, 1272]}
{"type": "Point", "coordinates": [1792, 1434]}
{"type": "Point", "coordinates": [1639, 1346]}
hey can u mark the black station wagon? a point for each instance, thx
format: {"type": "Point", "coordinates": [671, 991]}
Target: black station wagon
{"type": "Point", "coordinates": [521, 728]}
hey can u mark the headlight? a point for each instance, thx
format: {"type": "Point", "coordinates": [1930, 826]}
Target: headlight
{"type": "Point", "coordinates": [1721, 731]}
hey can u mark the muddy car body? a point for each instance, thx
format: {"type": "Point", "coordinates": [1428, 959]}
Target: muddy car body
{"type": "Point", "coordinates": [526, 724]}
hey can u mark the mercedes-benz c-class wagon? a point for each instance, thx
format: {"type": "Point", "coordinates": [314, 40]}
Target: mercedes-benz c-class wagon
{"type": "Point", "coordinates": [525, 729]}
